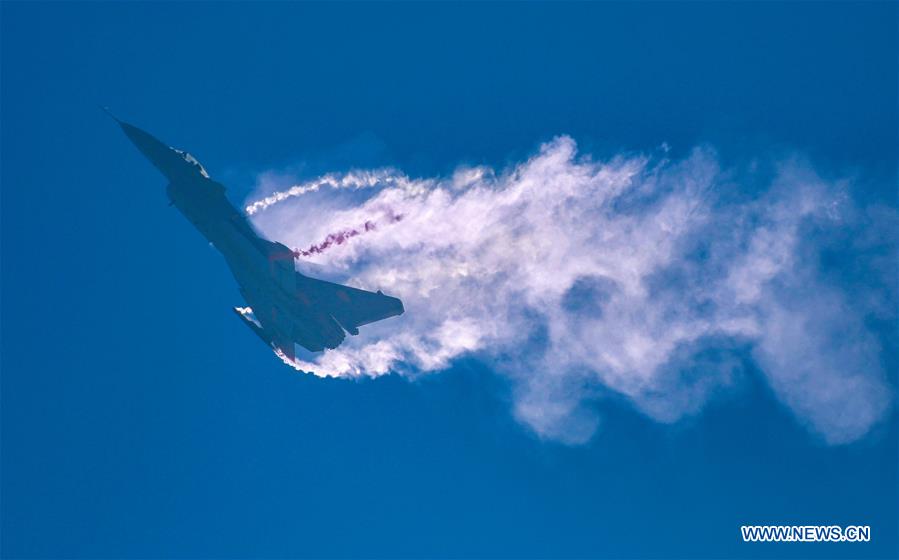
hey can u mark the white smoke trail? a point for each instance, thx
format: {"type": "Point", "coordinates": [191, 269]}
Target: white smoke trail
{"type": "Point", "coordinates": [656, 281]}
{"type": "Point", "coordinates": [360, 179]}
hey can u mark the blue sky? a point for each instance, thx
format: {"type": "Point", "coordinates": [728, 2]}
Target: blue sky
{"type": "Point", "coordinates": [140, 419]}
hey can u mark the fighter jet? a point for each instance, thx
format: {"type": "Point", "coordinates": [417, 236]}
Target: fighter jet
{"type": "Point", "coordinates": [284, 307]}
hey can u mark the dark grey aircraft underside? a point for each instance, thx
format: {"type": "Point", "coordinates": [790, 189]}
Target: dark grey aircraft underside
{"type": "Point", "coordinates": [285, 307]}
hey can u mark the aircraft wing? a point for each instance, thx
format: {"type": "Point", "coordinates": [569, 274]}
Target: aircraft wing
{"type": "Point", "coordinates": [247, 315]}
{"type": "Point", "coordinates": [270, 323]}
{"type": "Point", "coordinates": [351, 307]}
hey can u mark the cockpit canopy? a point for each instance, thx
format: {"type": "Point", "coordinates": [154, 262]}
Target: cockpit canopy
{"type": "Point", "coordinates": [193, 161]}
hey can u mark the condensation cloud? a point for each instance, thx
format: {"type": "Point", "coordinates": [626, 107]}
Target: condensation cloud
{"type": "Point", "coordinates": [656, 280]}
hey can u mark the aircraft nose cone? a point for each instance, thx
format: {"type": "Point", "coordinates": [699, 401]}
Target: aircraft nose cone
{"type": "Point", "coordinates": [106, 110]}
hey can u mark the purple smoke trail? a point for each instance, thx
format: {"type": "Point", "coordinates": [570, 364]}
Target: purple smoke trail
{"type": "Point", "coordinates": [341, 237]}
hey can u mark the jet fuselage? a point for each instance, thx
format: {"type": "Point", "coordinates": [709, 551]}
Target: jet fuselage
{"type": "Point", "coordinates": [287, 307]}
